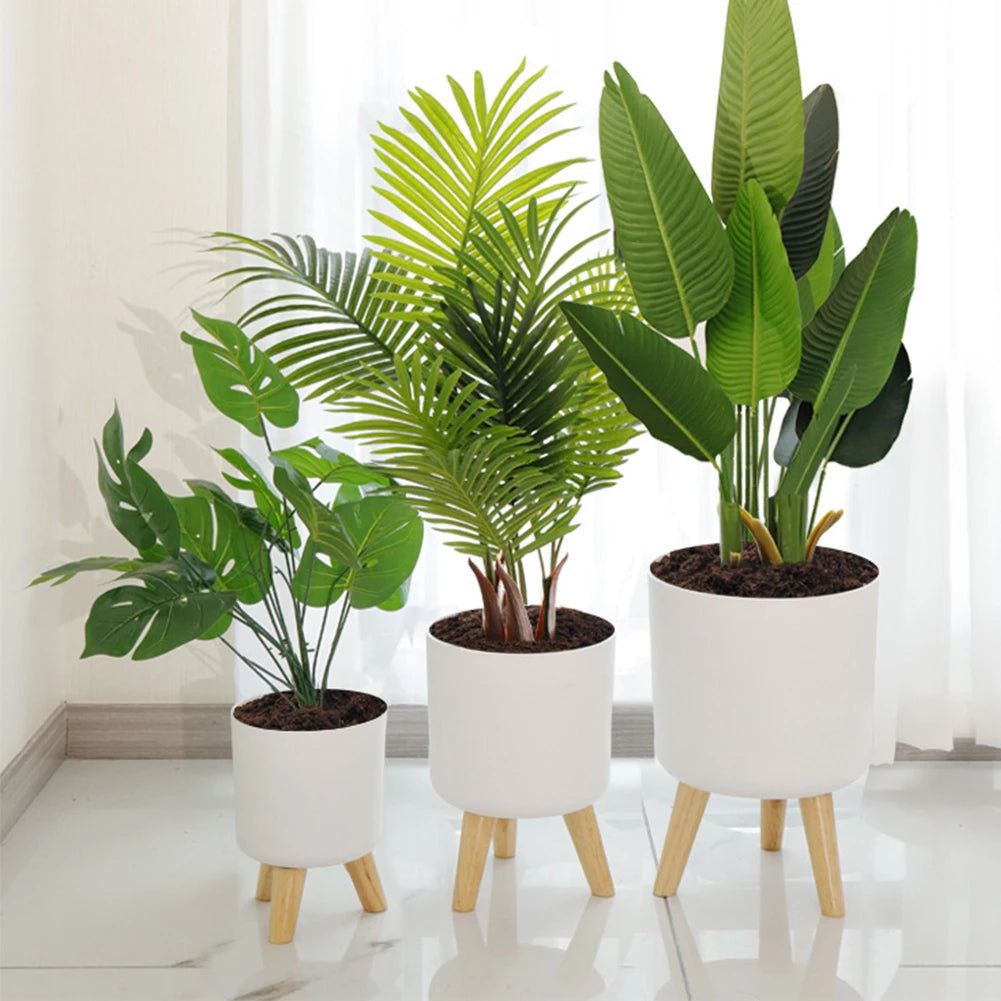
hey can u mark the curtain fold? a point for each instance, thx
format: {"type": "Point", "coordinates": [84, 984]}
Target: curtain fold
{"type": "Point", "coordinates": [917, 89]}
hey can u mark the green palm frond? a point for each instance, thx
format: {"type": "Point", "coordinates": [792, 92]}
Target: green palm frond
{"type": "Point", "coordinates": [472, 477]}
{"type": "Point", "coordinates": [450, 168]}
{"type": "Point", "coordinates": [331, 328]}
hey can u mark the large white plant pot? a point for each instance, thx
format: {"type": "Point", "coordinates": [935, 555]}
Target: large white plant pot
{"type": "Point", "coordinates": [520, 735]}
{"type": "Point", "coordinates": [309, 798]}
{"type": "Point", "coordinates": [763, 697]}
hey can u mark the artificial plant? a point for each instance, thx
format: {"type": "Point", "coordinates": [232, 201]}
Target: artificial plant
{"type": "Point", "coordinates": [447, 345]}
{"type": "Point", "coordinates": [325, 531]}
{"type": "Point", "coordinates": [762, 265]}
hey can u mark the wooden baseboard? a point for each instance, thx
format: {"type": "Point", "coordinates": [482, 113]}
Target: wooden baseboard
{"type": "Point", "coordinates": [22, 780]}
{"type": "Point", "coordinates": [202, 731]}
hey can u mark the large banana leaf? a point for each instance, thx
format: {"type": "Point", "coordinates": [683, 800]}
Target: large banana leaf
{"type": "Point", "coordinates": [805, 218]}
{"type": "Point", "coordinates": [861, 323]}
{"type": "Point", "coordinates": [163, 609]}
{"type": "Point", "coordinates": [872, 430]}
{"type": "Point", "coordinates": [753, 343]}
{"type": "Point", "coordinates": [240, 379]}
{"type": "Point", "coordinates": [449, 168]}
{"type": "Point", "coordinates": [677, 400]}
{"type": "Point", "coordinates": [759, 114]}
{"type": "Point", "coordinates": [137, 506]}
{"type": "Point", "coordinates": [675, 250]}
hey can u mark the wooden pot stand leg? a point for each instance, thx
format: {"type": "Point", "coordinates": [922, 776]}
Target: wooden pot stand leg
{"type": "Point", "coordinates": [821, 837]}
{"type": "Point", "coordinates": [474, 845]}
{"type": "Point", "coordinates": [283, 888]}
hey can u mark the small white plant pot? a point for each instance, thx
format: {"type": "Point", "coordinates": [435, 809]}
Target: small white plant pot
{"type": "Point", "coordinates": [520, 735]}
{"type": "Point", "coordinates": [763, 697]}
{"type": "Point", "coordinates": [309, 798]}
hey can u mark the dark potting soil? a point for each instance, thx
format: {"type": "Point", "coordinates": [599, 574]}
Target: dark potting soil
{"type": "Point", "coordinates": [341, 708]}
{"type": "Point", "coordinates": [698, 568]}
{"type": "Point", "coordinates": [573, 630]}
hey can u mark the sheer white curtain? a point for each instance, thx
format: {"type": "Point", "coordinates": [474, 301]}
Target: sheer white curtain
{"type": "Point", "coordinates": [918, 93]}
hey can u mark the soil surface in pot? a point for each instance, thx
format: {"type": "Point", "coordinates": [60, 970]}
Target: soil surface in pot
{"type": "Point", "coordinates": [698, 568]}
{"type": "Point", "coordinates": [341, 708]}
{"type": "Point", "coordinates": [573, 630]}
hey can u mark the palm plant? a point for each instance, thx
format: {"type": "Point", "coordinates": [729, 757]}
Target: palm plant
{"type": "Point", "coordinates": [785, 317]}
{"type": "Point", "coordinates": [205, 561]}
{"type": "Point", "coordinates": [447, 345]}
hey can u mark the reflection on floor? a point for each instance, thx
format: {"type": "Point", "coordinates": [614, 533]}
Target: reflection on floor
{"type": "Point", "coordinates": [123, 881]}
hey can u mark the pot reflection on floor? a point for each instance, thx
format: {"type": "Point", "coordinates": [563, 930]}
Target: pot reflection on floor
{"type": "Point", "coordinates": [773, 974]}
{"type": "Point", "coordinates": [497, 965]}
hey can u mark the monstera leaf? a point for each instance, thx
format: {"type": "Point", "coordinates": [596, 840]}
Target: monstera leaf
{"type": "Point", "coordinates": [376, 540]}
{"type": "Point", "coordinates": [137, 506]}
{"type": "Point", "coordinates": [153, 619]}
{"type": "Point", "coordinates": [240, 379]}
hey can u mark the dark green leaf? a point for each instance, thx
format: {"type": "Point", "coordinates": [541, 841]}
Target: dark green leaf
{"type": "Point", "coordinates": [61, 574]}
{"type": "Point", "coordinates": [161, 610]}
{"type": "Point", "coordinates": [137, 506]}
{"type": "Point", "coordinates": [861, 323]}
{"type": "Point", "coordinates": [805, 218]}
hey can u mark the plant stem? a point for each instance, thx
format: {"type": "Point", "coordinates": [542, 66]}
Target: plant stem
{"type": "Point", "coordinates": [341, 620]}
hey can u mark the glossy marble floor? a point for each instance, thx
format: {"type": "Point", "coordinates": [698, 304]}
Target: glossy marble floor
{"type": "Point", "coordinates": [123, 881]}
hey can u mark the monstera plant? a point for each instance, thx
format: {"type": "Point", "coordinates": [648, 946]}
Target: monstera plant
{"type": "Point", "coordinates": [761, 264]}
{"type": "Point", "coordinates": [447, 344]}
{"type": "Point", "coordinates": [324, 531]}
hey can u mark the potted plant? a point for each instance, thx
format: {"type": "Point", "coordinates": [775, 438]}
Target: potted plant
{"type": "Point", "coordinates": [762, 655]}
{"type": "Point", "coordinates": [326, 533]}
{"type": "Point", "coordinates": [454, 360]}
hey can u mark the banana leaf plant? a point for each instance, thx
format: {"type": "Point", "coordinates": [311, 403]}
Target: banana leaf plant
{"type": "Point", "coordinates": [324, 530]}
{"type": "Point", "coordinates": [445, 343]}
{"type": "Point", "coordinates": [761, 264]}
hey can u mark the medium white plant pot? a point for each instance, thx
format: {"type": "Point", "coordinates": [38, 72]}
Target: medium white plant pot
{"type": "Point", "coordinates": [520, 734]}
{"type": "Point", "coordinates": [763, 697]}
{"type": "Point", "coordinates": [309, 798]}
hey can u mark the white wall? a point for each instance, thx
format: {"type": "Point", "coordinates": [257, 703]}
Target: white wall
{"type": "Point", "coordinates": [114, 139]}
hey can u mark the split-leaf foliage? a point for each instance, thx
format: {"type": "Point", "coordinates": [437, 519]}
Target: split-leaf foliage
{"type": "Point", "coordinates": [324, 531]}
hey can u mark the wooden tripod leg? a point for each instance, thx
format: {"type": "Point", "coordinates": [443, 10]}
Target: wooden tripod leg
{"type": "Point", "coordinates": [586, 836]}
{"type": "Point", "coordinates": [368, 886]}
{"type": "Point", "coordinates": [264, 882]}
{"type": "Point", "coordinates": [773, 818]}
{"type": "Point", "coordinates": [686, 815]}
{"type": "Point", "coordinates": [473, 847]}
{"type": "Point", "coordinates": [505, 838]}
{"type": "Point", "coordinates": [286, 895]}
{"type": "Point", "coordinates": [822, 838]}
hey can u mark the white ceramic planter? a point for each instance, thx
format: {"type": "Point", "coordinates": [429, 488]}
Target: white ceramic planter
{"type": "Point", "coordinates": [309, 798]}
{"type": "Point", "coordinates": [763, 697]}
{"type": "Point", "coordinates": [520, 735]}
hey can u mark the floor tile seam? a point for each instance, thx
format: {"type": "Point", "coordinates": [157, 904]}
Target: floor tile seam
{"type": "Point", "coordinates": [670, 918]}
{"type": "Point", "coordinates": [78, 968]}
{"type": "Point", "coordinates": [949, 966]}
